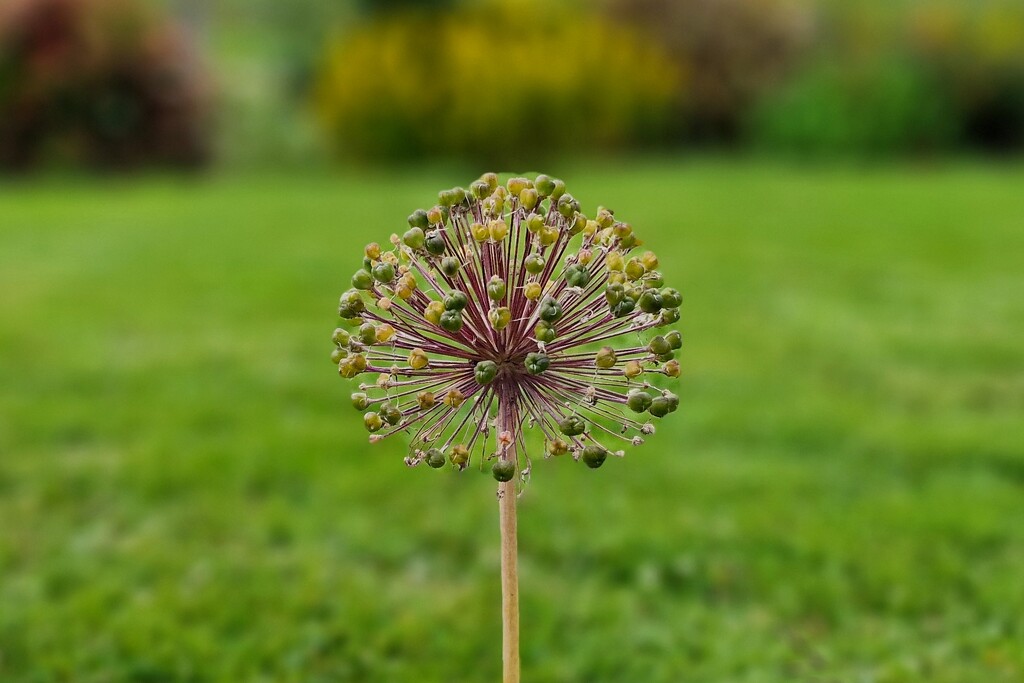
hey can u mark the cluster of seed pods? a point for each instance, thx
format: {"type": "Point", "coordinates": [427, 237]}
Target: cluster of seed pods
{"type": "Point", "coordinates": [504, 311]}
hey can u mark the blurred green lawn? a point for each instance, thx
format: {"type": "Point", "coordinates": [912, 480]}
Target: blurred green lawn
{"type": "Point", "coordinates": [186, 495]}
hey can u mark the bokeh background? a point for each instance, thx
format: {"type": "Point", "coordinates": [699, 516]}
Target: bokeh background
{"type": "Point", "coordinates": [836, 187]}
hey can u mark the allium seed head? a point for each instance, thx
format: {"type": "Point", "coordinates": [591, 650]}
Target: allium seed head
{"type": "Point", "coordinates": [503, 309]}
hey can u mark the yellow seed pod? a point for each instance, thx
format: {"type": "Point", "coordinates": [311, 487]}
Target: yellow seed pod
{"type": "Point", "coordinates": [498, 230]}
{"type": "Point", "coordinates": [584, 257]}
{"type": "Point", "coordinates": [671, 368]}
{"type": "Point", "coordinates": [433, 312]}
{"type": "Point", "coordinates": [435, 216]}
{"type": "Point", "coordinates": [372, 251]}
{"type": "Point", "coordinates": [617, 277]}
{"type": "Point", "coordinates": [650, 260]}
{"type": "Point", "coordinates": [614, 261]}
{"type": "Point", "coordinates": [383, 380]}
{"type": "Point", "coordinates": [548, 235]}
{"type": "Point", "coordinates": [532, 291]}
{"type": "Point", "coordinates": [459, 455]}
{"type": "Point", "coordinates": [491, 179]}
{"type": "Point", "coordinates": [605, 237]}
{"type": "Point", "coordinates": [517, 185]}
{"type": "Point", "coordinates": [480, 232]}
{"type": "Point", "coordinates": [499, 317]}
{"type": "Point", "coordinates": [528, 198]}
{"type": "Point", "coordinates": [605, 217]}
{"type": "Point", "coordinates": [409, 280]}
{"type": "Point", "coordinates": [591, 228]}
{"type": "Point", "coordinates": [605, 358]}
{"type": "Point", "coordinates": [384, 303]}
{"type": "Point", "coordinates": [621, 230]}
{"type": "Point", "coordinates": [557, 447]}
{"type": "Point", "coordinates": [426, 400]}
{"type": "Point", "coordinates": [403, 292]}
{"type": "Point", "coordinates": [454, 398]}
{"type": "Point", "coordinates": [633, 369]}
{"type": "Point", "coordinates": [385, 332]}
{"type": "Point", "coordinates": [634, 269]}
{"type": "Point", "coordinates": [418, 359]}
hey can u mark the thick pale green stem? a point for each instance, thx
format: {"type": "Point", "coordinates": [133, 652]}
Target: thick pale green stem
{"type": "Point", "coordinates": [509, 564]}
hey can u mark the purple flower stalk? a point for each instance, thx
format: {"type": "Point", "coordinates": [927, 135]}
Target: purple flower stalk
{"type": "Point", "coordinates": [506, 301]}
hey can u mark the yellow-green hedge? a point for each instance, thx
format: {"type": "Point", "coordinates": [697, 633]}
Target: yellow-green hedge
{"type": "Point", "coordinates": [500, 83]}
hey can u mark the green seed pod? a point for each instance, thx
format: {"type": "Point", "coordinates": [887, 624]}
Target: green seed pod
{"type": "Point", "coordinates": [544, 184]}
{"type": "Point", "coordinates": [638, 400]}
{"type": "Point", "coordinates": [435, 458]}
{"type": "Point", "coordinates": [614, 293]}
{"type": "Point", "coordinates": [499, 317]}
{"type": "Point", "coordinates": [628, 242]}
{"type": "Point", "coordinates": [655, 279]}
{"type": "Point", "coordinates": [450, 265]}
{"type": "Point", "coordinates": [536, 362]}
{"type": "Point", "coordinates": [579, 224]}
{"type": "Point", "coordinates": [568, 206]}
{"type": "Point", "coordinates": [671, 298]}
{"type": "Point", "coordinates": [623, 308]}
{"type": "Point", "coordinates": [391, 414]}
{"type": "Point", "coordinates": [418, 219]}
{"type": "Point", "coordinates": [572, 426]}
{"type": "Point", "coordinates": [367, 333]}
{"type": "Point", "coordinates": [496, 288]}
{"type": "Point", "coordinates": [480, 189]}
{"type": "Point", "coordinates": [557, 190]}
{"type": "Point", "coordinates": [491, 179]}
{"type": "Point", "coordinates": [548, 235]}
{"type": "Point", "coordinates": [669, 315]}
{"type": "Point", "coordinates": [517, 185]}
{"type": "Point", "coordinates": [362, 279]}
{"type": "Point", "coordinates": [414, 238]}
{"type": "Point", "coordinates": [437, 215]}
{"type": "Point", "coordinates": [594, 456]}
{"type": "Point", "coordinates": [341, 337]}
{"type": "Point", "coordinates": [338, 354]}
{"type": "Point", "coordinates": [605, 358]}
{"type": "Point", "coordinates": [544, 331]}
{"type": "Point", "coordinates": [534, 263]}
{"type": "Point", "coordinates": [503, 470]}
{"type": "Point", "coordinates": [673, 401]}
{"type": "Point", "coordinates": [660, 407]}
{"type": "Point", "coordinates": [480, 232]}
{"type": "Point", "coordinates": [667, 356]}
{"type": "Point", "coordinates": [372, 422]}
{"type": "Point", "coordinates": [550, 310]}
{"type": "Point", "coordinates": [650, 260]}
{"type": "Point", "coordinates": [534, 222]}
{"type": "Point", "coordinates": [435, 243]}
{"type": "Point", "coordinates": [360, 401]}
{"type": "Point", "coordinates": [456, 301]}
{"type": "Point", "coordinates": [485, 371]}
{"type": "Point", "coordinates": [577, 276]}
{"type": "Point", "coordinates": [650, 301]}
{"type": "Point", "coordinates": [384, 272]}
{"type": "Point", "coordinates": [675, 340]}
{"type": "Point", "coordinates": [459, 456]}
{"type": "Point", "coordinates": [451, 321]}
{"type": "Point", "coordinates": [605, 218]}
{"type": "Point", "coordinates": [659, 345]}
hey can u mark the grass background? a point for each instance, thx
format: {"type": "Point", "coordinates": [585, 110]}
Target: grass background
{"type": "Point", "coordinates": [186, 495]}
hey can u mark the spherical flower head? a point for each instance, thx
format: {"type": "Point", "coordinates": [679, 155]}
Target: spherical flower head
{"type": "Point", "coordinates": [504, 311]}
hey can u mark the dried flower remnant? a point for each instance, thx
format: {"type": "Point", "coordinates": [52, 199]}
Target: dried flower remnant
{"type": "Point", "coordinates": [504, 309]}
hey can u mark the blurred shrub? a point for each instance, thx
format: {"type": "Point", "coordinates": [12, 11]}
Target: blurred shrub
{"type": "Point", "coordinates": [732, 52]}
{"type": "Point", "coordinates": [500, 82]}
{"type": "Point", "coordinates": [99, 82]}
{"type": "Point", "coordinates": [977, 50]}
{"type": "Point", "coordinates": [878, 106]}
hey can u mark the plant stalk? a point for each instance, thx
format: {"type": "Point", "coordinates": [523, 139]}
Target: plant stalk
{"type": "Point", "coordinates": [509, 560]}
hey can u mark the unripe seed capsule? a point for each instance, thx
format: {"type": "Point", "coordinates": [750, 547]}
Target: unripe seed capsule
{"type": "Point", "coordinates": [650, 301]}
{"type": "Point", "coordinates": [372, 251]}
{"type": "Point", "coordinates": [638, 401]}
{"type": "Point", "coordinates": [548, 235]}
{"type": "Point", "coordinates": [532, 291]}
{"type": "Point", "coordinates": [534, 263]}
{"type": "Point", "coordinates": [360, 401]}
{"type": "Point", "coordinates": [385, 332]}
{"type": "Point", "coordinates": [671, 368]}
{"type": "Point", "coordinates": [362, 279]}
{"type": "Point", "coordinates": [337, 354]}
{"type": "Point", "coordinates": [454, 398]}
{"type": "Point", "coordinates": [503, 470]}
{"type": "Point", "coordinates": [451, 321]}
{"type": "Point", "coordinates": [384, 272]}
{"type": "Point", "coordinates": [435, 243]}
{"type": "Point", "coordinates": [634, 269]}
{"type": "Point", "coordinates": [544, 184]}
{"type": "Point", "coordinates": [528, 198]}
{"type": "Point", "coordinates": [485, 371]}
{"type": "Point", "coordinates": [496, 288]}
{"type": "Point", "coordinates": [426, 400]}
{"type": "Point", "coordinates": [534, 222]}
{"type": "Point", "coordinates": [669, 316]}
{"type": "Point", "coordinates": [373, 422]}
{"type": "Point", "coordinates": [435, 458]}
{"type": "Point", "coordinates": [659, 345]}
{"type": "Point", "coordinates": [671, 298]}
{"type": "Point", "coordinates": [459, 456]}
{"type": "Point", "coordinates": [675, 340]}
{"type": "Point", "coordinates": [367, 333]}
{"type": "Point", "coordinates": [633, 369]}
{"type": "Point", "coordinates": [341, 337]}
{"type": "Point", "coordinates": [391, 414]}
{"type": "Point", "coordinates": [649, 259]}
{"type": "Point", "coordinates": [455, 301]}
{"type": "Point", "coordinates": [614, 261]}
{"type": "Point", "coordinates": [418, 359]}
{"type": "Point", "coordinates": [550, 310]}
{"type": "Point", "coordinates": [557, 447]}
{"type": "Point", "coordinates": [498, 229]}
{"type": "Point", "coordinates": [572, 426]}
{"type": "Point", "coordinates": [544, 332]}
{"type": "Point", "coordinates": [450, 265]}
{"type": "Point", "coordinates": [433, 312]}
{"type": "Point", "coordinates": [594, 456]}
{"type": "Point", "coordinates": [537, 363]}
{"type": "Point", "coordinates": [499, 317]}
{"type": "Point", "coordinates": [414, 238]}
{"type": "Point", "coordinates": [605, 358]}
{"type": "Point", "coordinates": [660, 407]}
